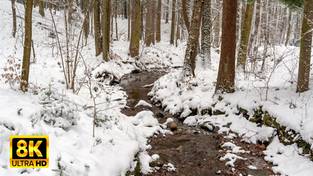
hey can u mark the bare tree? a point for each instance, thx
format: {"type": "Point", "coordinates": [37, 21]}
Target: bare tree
{"type": "Point", "coordinates": [305, 47]}
{"type": "Point", "coordinates": [106, 14]}
{"type": "Point", "coordinates": [27, 45]}
{"type": "Point", "coordinates": [136, 29]}
{"type": "Point", "coordinates": [226, 71]}
{"type": "Point", "coordinates": [193, 40]}
{"type": "Point", "coordinates": [14, 18]}
{"type": "Point", "coordinates": [206, 33]}
{"type": "Point", "coordinates": [158, 21]}
{"type": "Point", "coordinates": [97, 27]}
{"type": "Point", "coordinates": [245, 35]}
{"type": "Point", "coordinates": [173, 24]}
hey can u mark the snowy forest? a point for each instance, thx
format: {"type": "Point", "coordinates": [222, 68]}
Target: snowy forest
{"type": "Point", "coordinates": [157, 87]}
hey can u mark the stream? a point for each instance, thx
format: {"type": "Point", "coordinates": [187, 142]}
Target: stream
{"type": "Point", "coordinates": [193, 151]}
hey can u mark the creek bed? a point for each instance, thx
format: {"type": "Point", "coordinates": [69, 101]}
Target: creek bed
{"type": "Point", "coordinates": [193, 151]}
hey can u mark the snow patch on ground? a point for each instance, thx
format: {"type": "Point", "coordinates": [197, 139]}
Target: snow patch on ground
{"type": "Point", "coordinates": [143, 103]}
{"type": "Point", "coordinates": [287, 160]}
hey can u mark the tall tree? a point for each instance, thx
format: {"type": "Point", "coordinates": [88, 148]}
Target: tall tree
{"type": "Point", "coordinates": [97, 26]}
{"type": "Point", "coordinates": [86, 24]}
{"type": "Point", "coordinates": [305, 47]}
{"type": "Point", "coordinates": [193, 40]}
{"type": "Point", "coordinates": [185, 9]}
{"type": "Point", "coordinates": [106, 14]}
{"type": "Point", "coordinates": [42, 8]}
{"type": "Point", "coordinates": [136, 29]}
{"type": "Point", "coordinates": [226, 71]}
{"type": "Point", "coordinates": [153, 19]}
{"type": "Point", "coordinates": [217, 24]}
{"type": "Point", "coordinates": [158, 21]}
{"type": "Point", "coordinates": [206, 33]}
{"type": "Point", "coordinates": [245, 34]}
{"type": "Point", "coordinates": [173, 24]}
{"type": "Point", "coordinates": [149, 28]}
{"type": "Point", "coordinates": [167, 11]}
{"type": "Point", "coordinates": [27, 45]}
{"type": "Point", "coordinates": [128, 19]}
{"type": "Point", "coordinates": [14, 17]}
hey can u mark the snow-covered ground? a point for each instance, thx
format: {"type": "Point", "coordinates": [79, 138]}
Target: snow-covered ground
{"type": "Point", "coordinates": [67, 117]}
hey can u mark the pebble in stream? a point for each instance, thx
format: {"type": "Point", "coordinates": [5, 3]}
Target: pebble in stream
{"type": "Point", "coordinates": [192, 151]}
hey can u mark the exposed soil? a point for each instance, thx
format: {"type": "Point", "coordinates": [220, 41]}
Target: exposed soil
{"type": "Point", "coordinates": [193, 151]}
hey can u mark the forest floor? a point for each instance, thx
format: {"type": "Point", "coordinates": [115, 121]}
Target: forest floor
{"type": "Point", "coordinates": [190, 151]}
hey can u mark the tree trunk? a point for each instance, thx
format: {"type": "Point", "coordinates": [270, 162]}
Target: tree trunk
{"type": "Point", "coordinates": [153, 20]}
{"type": "Point", "coordinates": [86, 22]}
{"type": "Point", "coordinates": [167, 11]}
{"type": "Point", "coordinates": [27, 45]}
{"type": "Point", "coordinates": [115, 17]}
{"type": "Point", "coordinates": [305, 47]}
{"type": "Point", "coordinates": [129, 19]}
{"type": "Point", "coordinates": [289, 27]}
{"type": "Point", "coordinates": [125, 9]}
{"type": "Point", "coordinates": [14, 18]}
{"type": "Point", "coordinates": [185, 13]}
{"type": "Point", "coordinates": [178, 25]}
{"type": "Point", "coordinates": [106, 14]}
{"type": "Point", "coordinates": [217, 25]}
{"type": "Point", "coordinates": [226, 71]}
{"type": "Point", "coordinates": [193, 40]}
{"type": "Point", "coordinates": [70, 11]}
{"type": "Point", "coordinates": [149, 33]}
{"type": "Point", "coordinates": [42, 8]}
{"type": "Point", "coordinates": [173, 24]}
{"type": "Point", "coordinates": [245, 35]}
{"type": "Point", "coordinates": [97, 27]}
{"type": "Point", "coordinates": [206, 34]}
{"type": "Point", "coordinates": [158, 22]}
{"type": "Point", "coordinates": [136, 29]}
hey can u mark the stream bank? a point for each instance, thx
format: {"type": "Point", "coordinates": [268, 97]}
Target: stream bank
{"type": "Point", "coordinates": [191, 150]}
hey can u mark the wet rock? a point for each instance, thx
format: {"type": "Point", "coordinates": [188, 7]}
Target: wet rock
{"type": "Point", "coordinates": [218, 112]}
{"type": "Point", "coordinates": [160, 115]}
{"type": "Point", "coordinates": [172, 126]}
{"type": "Point", "coordinates": [135, 71]}
{"type": "Point", "coordinates": [207, 111]}
{"type": "Point", "coordinates": [207, 126]}
{"type": "Point", "coordinates": [157, 163]}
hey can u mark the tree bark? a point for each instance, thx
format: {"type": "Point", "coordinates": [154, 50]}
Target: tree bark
{"type": "Point", "coordinates": [226, 71]}
{"type": "Point", "coordinates": [149, 33]}
{"type": "Point", "coordinates": [167, 11]}
{"type": "Point", "coordinates": [158, 22]}
{"type": "Point", "coordinates": [206, 34]}
{"type": "Point", "coordinates": [86, 22]}
{"type": "Point", "coordinates": [289, 28]}
{"type": "Point", "coordinates": [173, 24]}
{"type": "Point", "coordinates": [185, 13]}
{"type": "Point", "coordinates": [245, 35]}
{"type": "Point", "coordinates": [97, 27]}
{"type": "Point", "coordinates": [42, 8]}
{"type": "Point", "coordinates": [27, 45]}
{"type": "Point", "coordinates": [129, 19]}
{"type": "Point", "coordinates": [106, 14]}
{"type": "Point", "coordinates": [193, 40]}
{"type": "Point", "coordinates": [14, 18]}
{"type": "Point", "coordinates": [136, 29]}
{"type": "Point", "coordinates": [153, 19]}
{"type": "Point", "coordinates": [217, 25]}
{"type": "Point", "coordinates": [305, 47]}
